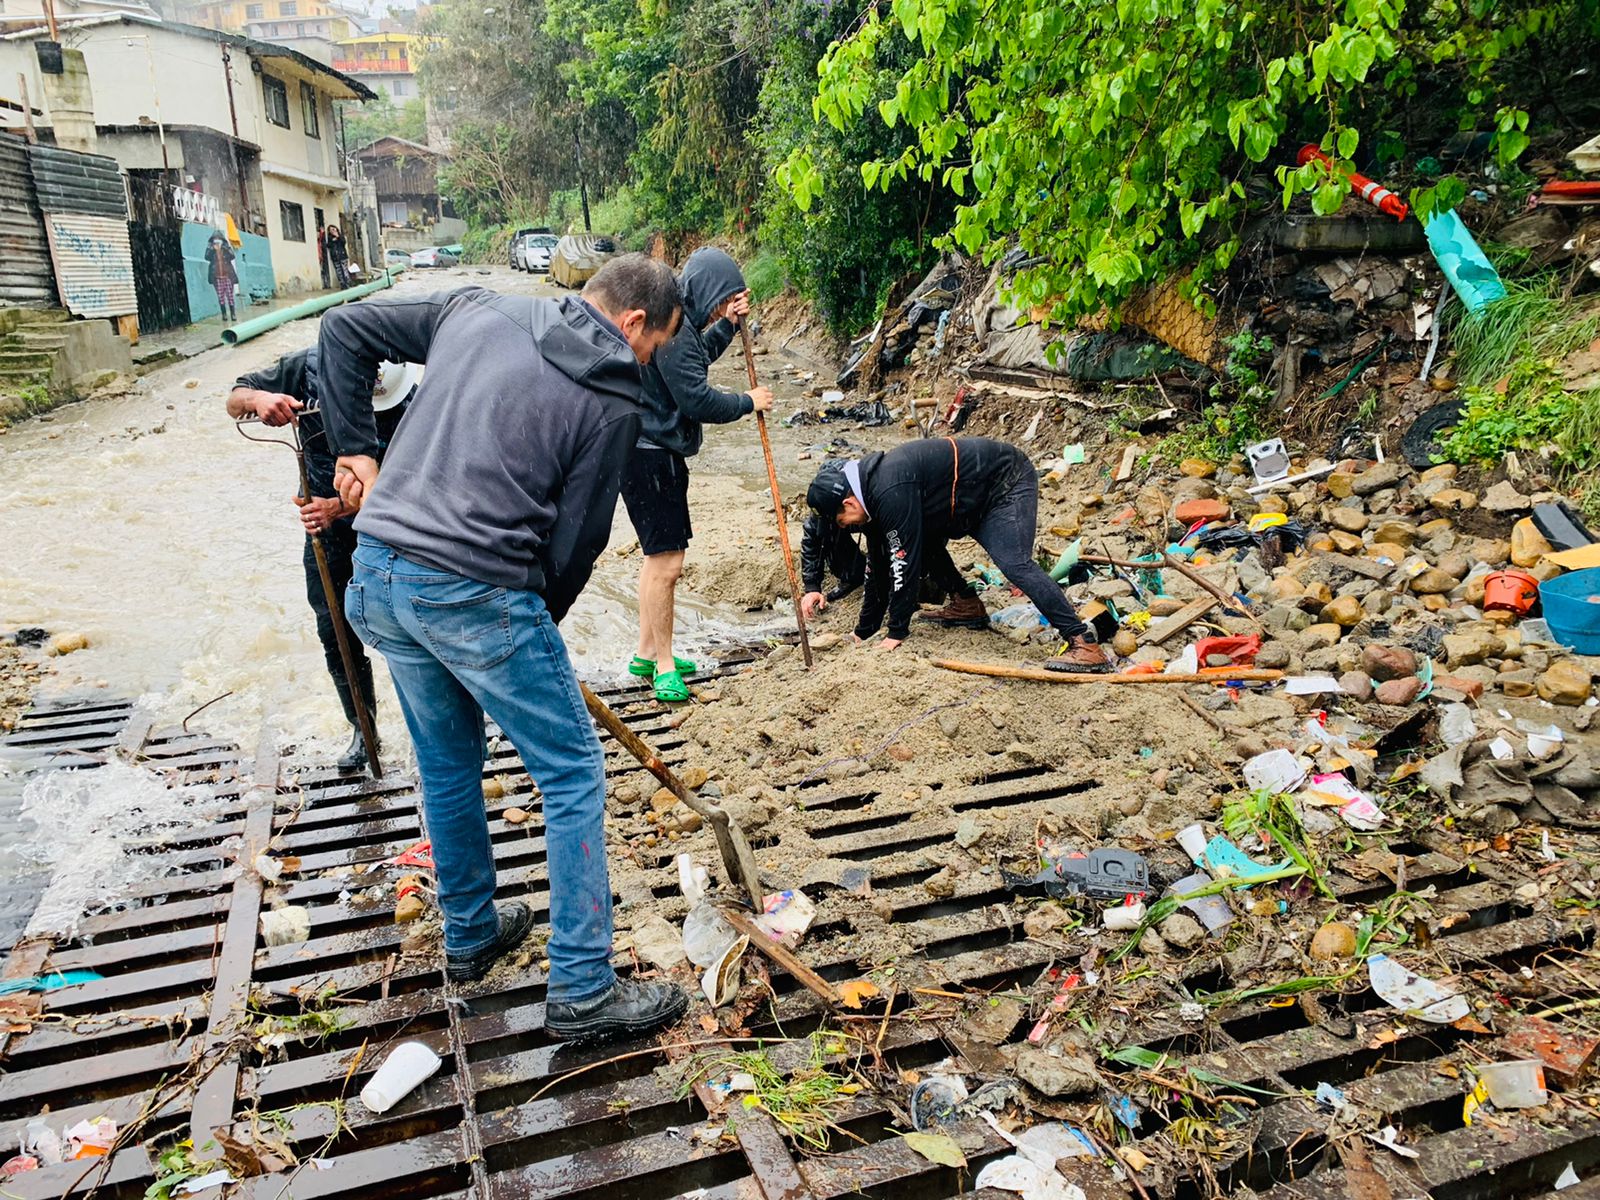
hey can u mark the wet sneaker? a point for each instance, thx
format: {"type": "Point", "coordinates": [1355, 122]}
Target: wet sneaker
{"type": "Point", "coordinates": [963, 612]}
{"type": "Point", "coordinates": [516, 919]}
{"type": "Point", "coordinates": [1080, 655]}
{"type": "Point", "coordinates": [630, 1009]}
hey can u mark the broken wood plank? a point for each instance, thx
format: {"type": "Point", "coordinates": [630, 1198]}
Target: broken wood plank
{"type": "Point", "coordinates": [1178, 621]}
{"type": "Point", "coordinates": [1130, 455]}
{"type": "Point", "coordinates": [781, 954]}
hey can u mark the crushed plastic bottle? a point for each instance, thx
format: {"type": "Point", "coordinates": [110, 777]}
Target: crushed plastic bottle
{"type": "Point", "coordinates": [1017, 616]}
{"type": "Point", "coordinates": [706, 935]}
{"type": "Point", "coordinates": [1456, 724]}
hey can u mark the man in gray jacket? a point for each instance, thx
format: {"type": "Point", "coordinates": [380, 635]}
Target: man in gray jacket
{"type": "Point", "coordinates": [677, 398]}
{"type": "Point", "coordinates": [496, 498]}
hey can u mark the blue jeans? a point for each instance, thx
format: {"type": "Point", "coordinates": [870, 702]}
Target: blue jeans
{"type": "Point", "coordinates": [457, 649]}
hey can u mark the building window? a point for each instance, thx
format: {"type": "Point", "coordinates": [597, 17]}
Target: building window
{"type": "Point", "coordinates": [289, 8]}
{"type": "Point", "coordinates": [254, 12]}
{"type": "Point", "coordinates": [308, 110]}
{"type": "Point", "coordinates": [294, 221]}
{"type": "Point", "coordinates": [300, 29]}
{"type": "Point", "coordinates": [399, 87]}
{"type": "Point", "coordinates": [276, 96]}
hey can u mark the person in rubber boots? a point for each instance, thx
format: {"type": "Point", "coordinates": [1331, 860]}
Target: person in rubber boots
{"type": "Point", "coordinates": [495, 500]}
{"type": "Point", "coordinates": [678, 398]}
{"type": "Point", "coordinates": [911, 501]}
{"type": "Point", "coordinates": [280, 395]}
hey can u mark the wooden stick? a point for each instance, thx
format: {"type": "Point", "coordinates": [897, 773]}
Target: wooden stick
{"type": "Point", "coordinates": [1178, 621]}
{"type": "Point", "coordinates": [782, 955]}
{"type": "Point", "coordinates": [777, 498]}
{"type": "Point", "coordinates": [1040, 675]}
{"type": "Point", "coordinates": [1199, 580]}
{"type": "Point", "coordinates": [737, 858]}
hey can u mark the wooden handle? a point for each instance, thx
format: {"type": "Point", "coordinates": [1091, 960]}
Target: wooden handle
{"type": "Point", "coordinates": [1040, 675]}
{"type": "Point", "coordinates": [777, 498]}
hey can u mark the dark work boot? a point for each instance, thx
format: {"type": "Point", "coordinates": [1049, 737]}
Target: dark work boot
{"type": "Point", "coordinates": [516, 919]}
{"type": "Point", "coordinates": [631, 1008]}
{"type": "Point", "coordinates": [963, 612]}
{"type": "Point", "coordinates": [354, 757]}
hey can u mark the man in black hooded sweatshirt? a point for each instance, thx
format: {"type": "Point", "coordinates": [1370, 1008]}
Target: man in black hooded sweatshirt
{"type": "Point", "coordinates": [677, 398]}
{"type": "Point", "coordinates": [496, 497]}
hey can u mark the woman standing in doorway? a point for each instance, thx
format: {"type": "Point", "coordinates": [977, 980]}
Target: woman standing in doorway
{"type": "Point", "coordinates": [221, 275]}
{"type": "Point", "coordinates": [337, 257]}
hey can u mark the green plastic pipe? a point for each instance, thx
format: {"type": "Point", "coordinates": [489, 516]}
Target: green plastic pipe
{"type": "Point", "coordinates": [245, 330]}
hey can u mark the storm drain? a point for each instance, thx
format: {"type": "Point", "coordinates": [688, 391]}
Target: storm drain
{"type": "Point", "coordinates": [199, 1031]}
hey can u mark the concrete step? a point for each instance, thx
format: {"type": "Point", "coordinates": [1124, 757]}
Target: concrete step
{"type": "Point", "coordinates": [39, 341]}
{"type": "Point", "coordinates": [43, 316]}
{"type": "Point", "coordinates": [26, 360]}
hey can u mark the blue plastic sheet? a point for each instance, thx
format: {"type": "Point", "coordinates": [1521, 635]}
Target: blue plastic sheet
{"type": "Point", "coordinates": [1466, 267]}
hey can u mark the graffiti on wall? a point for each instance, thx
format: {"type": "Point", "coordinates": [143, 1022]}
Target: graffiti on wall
{"type": "Point", "coordinates": [93, 262]}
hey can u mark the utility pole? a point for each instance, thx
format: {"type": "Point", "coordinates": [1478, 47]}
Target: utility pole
{"type": "Point", "coordinates": [583, 190]}
{"type": "Point", "coordinates": [238, 161]}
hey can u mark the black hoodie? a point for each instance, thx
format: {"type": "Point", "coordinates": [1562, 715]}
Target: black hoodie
{"type": "Point", "coordinates": [506, 466]}
{"type": "Point", "coordinates": [677, 395]}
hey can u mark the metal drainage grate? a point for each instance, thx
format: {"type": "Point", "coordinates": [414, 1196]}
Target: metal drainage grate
{"type": "Point", "coordinates": [506, 1117]}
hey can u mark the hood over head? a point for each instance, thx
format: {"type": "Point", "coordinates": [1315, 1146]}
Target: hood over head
{"type": "Point", "coordinates": [707, 279]}
{"type": "Point", "coordinates": [585, 347]}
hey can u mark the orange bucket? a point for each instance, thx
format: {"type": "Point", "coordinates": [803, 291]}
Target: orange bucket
{"type": "Point", "coordinates": [1515, 590]}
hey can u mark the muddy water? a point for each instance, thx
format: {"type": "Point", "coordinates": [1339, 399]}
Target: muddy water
{"type": "Point", "coordinates": [148, 524]}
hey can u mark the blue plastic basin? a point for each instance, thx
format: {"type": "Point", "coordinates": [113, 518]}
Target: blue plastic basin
{"type": "Point", "coordinates": [1572, 617]}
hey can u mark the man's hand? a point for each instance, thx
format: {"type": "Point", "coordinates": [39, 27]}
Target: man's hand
{"type": "Point", "coordinates": [737, 307]}
{"type": "Point", "coordinates": [812, 603]}
{"type": "Point", "coordinates": [890, 643]}
{"type": "Point", "coordinates": [317, 513]}
{"type": "Point", "coordinates": [353, 477]}
{"type": "Point", "coordinates": [275, 408]}
{"type": "Point", "coordinates": [760, 399]}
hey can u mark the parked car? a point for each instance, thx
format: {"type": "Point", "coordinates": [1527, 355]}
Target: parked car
{"type": "Point", "coordinates": [536, 251]}
{"type": "Point", "coordinates": [435, 256]}
{"type": "Point", "coordinates": [397, 258]}
{"type": "Point", "coordinates": [511, 246]}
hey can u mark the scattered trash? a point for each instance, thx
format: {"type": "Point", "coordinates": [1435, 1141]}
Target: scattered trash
{"type": "Point", "coordinates": [221, 1177]}
{"type": "Point", "coordinates": [1058, 1140]}
{"type": "Point", "coordinates": [935, 1099]}
{"type": "Point", "coordinates": [1357, 809]}
{"type": "Point", "coordinates": [408, 1066]}
{"type": "Point", "coordinates": [1212, 910]}
{"type": "Point", "coordinates": [1331, 1097]}
{"type": "Point", "coordinates": [1518, 1084]}
{"type": "Point", "coordinates": [1463, 262]}
{"type": "Point", "coordinates": [1567, 1178]}
{"type": "Point", "coordinates": [720, 981]}
{"type": "Point", "coordinates": [1456, 725]}
{"type": "Point", "coordinates": [1274, 771]}
{"type": "Point", "coordinates": [91, 1139]}
{"type": "Point", "coordinates": [1014, 1173]}
{"type": "Point", "coordinates": [17, 1164]}
{"type": "Point", "coordinates": [47, 983]}
{"type": "Point", "coordinates": [286, 926]}
{"type": "Point", "coordinates": [1412, 993]}
{"type": "Point", "coordinates": [1389, 1138]}
{"type": "Point", "coordinates": [42, 1142]}
{"type": "Point", "coordinates": [1269, 460]}
{"type": "Point", "coordinates": [1124, 918]}
{"type": "Point", "coordinates": [1106, 873]}
{"type": "Point", "coordinates": [1311, 685]}
{"type": "Point", "coordinates": [788, 915]}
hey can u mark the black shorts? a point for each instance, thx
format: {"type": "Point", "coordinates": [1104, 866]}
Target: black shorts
{"type": "Point", "coordinates": [655, 487]}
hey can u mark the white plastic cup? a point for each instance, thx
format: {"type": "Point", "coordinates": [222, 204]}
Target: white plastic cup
{"type": "Point", "coordinates": [408, 1065]}
{"type": "Point", "coordinates": [1516, 1084]}
{"type": "Point", "coordinates": [1194, 841]}
{"type": "Point", "coordinates": [1125, 917]}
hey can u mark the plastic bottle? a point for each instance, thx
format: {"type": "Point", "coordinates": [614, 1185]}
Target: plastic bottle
{"type": "Point", "coordinates": [1017, 616]}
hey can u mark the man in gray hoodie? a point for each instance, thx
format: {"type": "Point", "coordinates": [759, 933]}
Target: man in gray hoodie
{"type": "Point", "coordinates": [496, 498]}
{"type": "Point", "coordinates": [678, 398]}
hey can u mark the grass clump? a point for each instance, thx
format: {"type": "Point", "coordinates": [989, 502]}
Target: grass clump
{"type": "Point", "coordinates": [806, 1102]}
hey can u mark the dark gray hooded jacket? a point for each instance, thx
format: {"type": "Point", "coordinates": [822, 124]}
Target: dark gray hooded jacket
{"type": "Point", "coordinates": [506, 466]}
{"type": "Point", "coordinates": [677, 395]}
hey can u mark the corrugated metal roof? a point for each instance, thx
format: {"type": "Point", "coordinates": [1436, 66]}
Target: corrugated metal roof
{"type": "Point", "coordinates": [69, 181]}
{"type": "Point", "coordinates": [26, 276]}
{"type": "Point", "coordinates": [94, 264]}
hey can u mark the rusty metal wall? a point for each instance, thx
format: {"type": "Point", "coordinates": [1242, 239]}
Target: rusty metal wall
{"type": "Point", "coordinates": [94, 264]}
{"type": "Point", "coordinates": [26, 276]}
{"type": "Point", "coordinates": [68, 181]}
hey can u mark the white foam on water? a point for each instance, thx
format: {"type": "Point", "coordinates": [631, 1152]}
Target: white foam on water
{"type": "Point", "coordinates": [96, 830]}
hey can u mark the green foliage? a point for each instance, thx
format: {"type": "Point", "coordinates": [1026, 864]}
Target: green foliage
{"type": "Point", "coordinates": [764, 274]}
{"type": "Point", "coordinates": [1529, 412]}
{"type": "Point", "coordinates": [1273, 817]}
{"type": "Point", "coordinates": [1120, 139]}
{"type": "Point", "coordinates": [1240, 412]}
{"type": "Point", "coordinates": [366, 123]}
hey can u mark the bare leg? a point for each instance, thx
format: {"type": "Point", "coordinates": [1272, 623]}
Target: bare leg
{"type": "Point", "coordinates": [658, 581]}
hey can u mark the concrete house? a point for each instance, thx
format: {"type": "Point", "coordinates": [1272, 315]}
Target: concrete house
{"type": "Point", "coordinates": [247, 127]}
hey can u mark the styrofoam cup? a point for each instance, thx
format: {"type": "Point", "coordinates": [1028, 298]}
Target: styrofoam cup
{"type": "Point", "coordinates": [408, 1065]}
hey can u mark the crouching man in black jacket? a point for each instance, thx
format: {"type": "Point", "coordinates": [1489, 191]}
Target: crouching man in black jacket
{"type": "Point", "coordinates": [912, 500]}
{"type": "Point", "coordinates": [494, 501]}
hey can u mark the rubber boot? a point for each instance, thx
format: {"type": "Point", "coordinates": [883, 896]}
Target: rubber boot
{"type": "Point", "coordinates": [354, 758]}
{"type": "Point", "coordinates": [963, 612]}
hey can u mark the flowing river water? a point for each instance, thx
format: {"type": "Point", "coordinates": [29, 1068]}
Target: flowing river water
{"type": "Point", "coordinates": [150, 525]}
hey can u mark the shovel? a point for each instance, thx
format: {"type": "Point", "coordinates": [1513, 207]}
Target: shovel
{"type": "Point", "coordinates": [737, 858]}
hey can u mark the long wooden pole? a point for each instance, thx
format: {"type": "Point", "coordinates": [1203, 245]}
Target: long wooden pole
{"type": "Point", "coordinates": [341, 633]}
{"type": "Point", "coordinates": [777, 497]}
{"type": "Point", "coordinates": [1040, 675]}
{"type": "Point", "coordinates": [737, 857]}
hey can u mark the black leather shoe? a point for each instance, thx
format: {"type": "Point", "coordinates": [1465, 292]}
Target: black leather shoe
{"type": "Point", "coordinates": [629, 1009]}
{"type": "Point", "coordinates": [516, 918]}
{"type": "Point", "coordinates": [354, 757]}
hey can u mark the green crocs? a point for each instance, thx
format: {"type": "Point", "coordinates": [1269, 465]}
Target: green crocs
{"type": "Point", "coordinates": [645, 668]}
{"type": "Point", "coordinates": [670, 688]}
